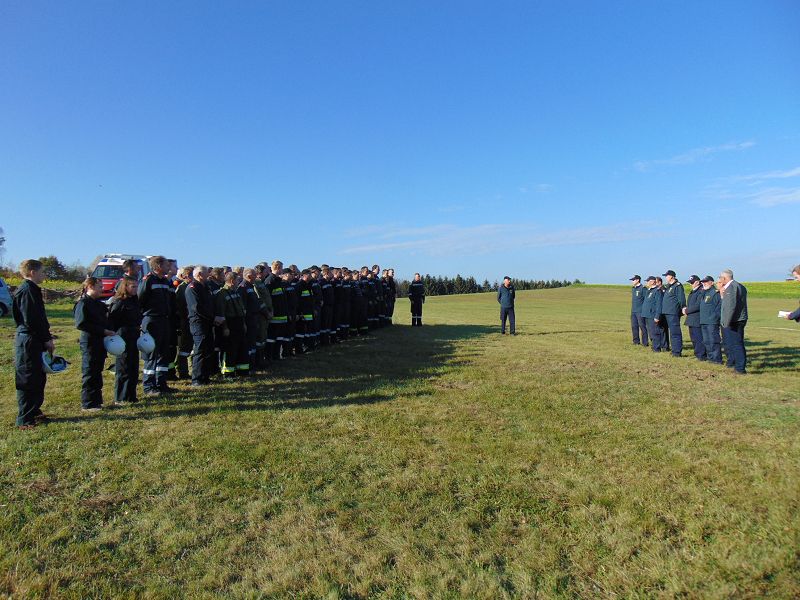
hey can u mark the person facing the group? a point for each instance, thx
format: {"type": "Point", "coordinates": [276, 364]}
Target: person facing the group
{"type": "Point", "coordinates": [31, 340]}
{"type": "Point", "coordinates": [795, 315]}
{"type": "Point", "coordinates": [91, 318]}
{"type": "Point", "coordinates": [125, 318]}
{"type": "Point", "coordinates": [416, 293]}
{"type": "Point", "coordinates": [505, 296]}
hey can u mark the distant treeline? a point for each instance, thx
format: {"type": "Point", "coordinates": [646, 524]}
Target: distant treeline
{"type": "Point", "coordinates": [444, 286]}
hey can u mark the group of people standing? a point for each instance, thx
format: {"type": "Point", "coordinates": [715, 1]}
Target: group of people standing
{"type": "Point", "coordinates": [226, 321]}
{"type": "Point", "coordinates": [710, 308]}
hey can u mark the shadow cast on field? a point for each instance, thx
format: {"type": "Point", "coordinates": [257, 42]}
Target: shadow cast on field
{"type": "Point", "coordinates": [360, 371]}
{"type": "Point", "coordinates": [762, 357]}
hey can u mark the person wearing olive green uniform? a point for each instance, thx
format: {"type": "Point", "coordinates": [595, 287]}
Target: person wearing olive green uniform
{"type": "Point", "coordinates": [229, 305]}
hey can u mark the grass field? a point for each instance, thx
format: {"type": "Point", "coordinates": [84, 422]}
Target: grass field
{"type": "Point", "coordinates": [436, 462]}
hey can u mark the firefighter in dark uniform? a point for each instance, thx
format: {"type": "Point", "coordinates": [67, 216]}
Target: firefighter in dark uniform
{"type": "Point", "coordinates": [710, 315]}
{"type": "Point", "coordinates": [262, 358]}
{"type": "Point", "coordinates": [358, 322]}
{"type": "Point", "coordinates": [31, 340]}
{"type": "Point", "coordinates": [392, 285]}
{"type": "Point", "coordinates": [185, 340]}
{"type": "Point", "coordinates": [91, 318]}
{"type": "Point", "coordinates": [638, 324]}
{"type": "Point", "coordinates": [305, 312]}
{"type": "Point", "coordinates": [229, 306]}
{"type": "Point", "coordinates": [291, 341]}
{"type": "Point", "coordinates": [416, 293]}
{"type": "Point", "coordinates": [157, 301]}
{"type": "Point", "coordinates": [174, 331]}
{"type": "Point", "coordinates": [216, 279]}
{"type": "Point", "coordinates": [201, 315]}
{"type": "Point", "coordinates": [692, 312]}
{"type": "Point", "coordinates": [316, 293]}
{"type": "Point", "coordinates": [672, 307]}
{"type": "Point", "coordinates": [342, 297]}
{"type": "Point", "coordinates": [651, 312]}
{"type": "Point", "coordinates": [256, 314]}
{"type": "Point", "coordinates": [328, 330]}
{"type": "Point", "coordinates": [276, 332]}
{"type": "Point", "coordinates": [125, 317]}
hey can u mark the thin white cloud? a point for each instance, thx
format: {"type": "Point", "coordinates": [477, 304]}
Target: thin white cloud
{"type": "Point", "coordinates": [692, 156]}
{"type": "Point", "coordinates": [770, 175]}
{"type": "Point", "coordinates": [775, 196]}
{"type": "Point", "coordinates": [448, 240]}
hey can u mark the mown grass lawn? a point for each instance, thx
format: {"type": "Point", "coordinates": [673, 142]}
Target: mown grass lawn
{"type": "Point", "coordinates": [445, 461]}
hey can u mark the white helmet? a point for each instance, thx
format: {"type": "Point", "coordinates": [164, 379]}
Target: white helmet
{"type": "Point", "coordinates": [114, 345]}
{"type": "Point", "coordinates": [146, 343]}
{"type": "Point", "coordinates": [53, 364]}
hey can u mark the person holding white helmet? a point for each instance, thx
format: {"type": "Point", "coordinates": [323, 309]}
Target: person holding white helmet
{"type": "Point", "coordinates": [125, 317]}
{"type": "Point", "coordinates": [91, 318]}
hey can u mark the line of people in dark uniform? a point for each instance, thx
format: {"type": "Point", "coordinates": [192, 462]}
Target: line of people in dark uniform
{"type": "Point", "coordinates": [226, 322]}
{"type": "Point", "coordinates": [716, 315]}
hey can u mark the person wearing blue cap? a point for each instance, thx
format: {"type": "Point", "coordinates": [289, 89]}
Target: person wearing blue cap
{"type": "Point", "coordinates": [672, 307]}
{"type": "Point", "coordinates": [710, 303]}
{"type": "Point", "coordinates": [638, 323]}
{"type": "Point", "coordinates": [692, 312]}
{"type": "Point", "coordinates": [651, 312]}
{"type": "Point", "coordinates": [505, 296]}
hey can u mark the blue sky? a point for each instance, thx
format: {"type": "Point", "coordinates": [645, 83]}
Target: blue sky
{"type": "Point", "coordinates": [551, 139]}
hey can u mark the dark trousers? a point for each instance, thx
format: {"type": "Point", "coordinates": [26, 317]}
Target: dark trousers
{"type": "Point", "coordinates": [156, 364]}
{"type": "Point", "coordinates": [29, 377]}
{"type": "Point", "coordinates": [235, 358]}
{"type": "Point", "coordinates": [507, 312]}
{"type": "Point", "coordinates": [93, 355]}
{"type": "Point", "coordinates": [664, 330]}
{"type": "Point", "coordinates": [696, 335]}
{"type": "Point", "coordinates": [275, 334]}
{"type": "Point", "coordinates": [203, 355]}
{"type": "Point", "coordinates": [389, 310]}
{"type": "Point", "coordinates": [327, 323]}
{"type": "Point", "coordinates": [416, 312]}
{"type": "Point", "coordinates": [712, 344]}
{"type": "Point", "coordinates": [638, 325]}
{"type": "Point", "coordinates": [185, 344]}
{"type": "Point", "coordinates": [675, 333]}
{"type": "Point", "coordinates": [733, 338]}
{"type": "Point", "coordinates": [655, 334]}
{"type": "Point", "coordinates": [126, 372]}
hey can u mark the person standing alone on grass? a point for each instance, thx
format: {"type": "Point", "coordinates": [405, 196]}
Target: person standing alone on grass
{"type": "Point", "coordinates": [505, 296]}
{"type": "Point", "coordinates": [733, 321]}
{"type": "Point", "coordinates": [416, 293]}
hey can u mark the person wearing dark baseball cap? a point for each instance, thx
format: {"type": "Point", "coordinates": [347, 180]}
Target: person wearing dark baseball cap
{"type": "Point", "coordinates": [692, 312]}
{"type": "Point", "coordinates": [638, 323]}
{"type": "Point", "coordinates": [710, 310]}
{"type": "Point", "coordinates": [672, 308]}
{"type": "Point", "coordinates": [651, 313]}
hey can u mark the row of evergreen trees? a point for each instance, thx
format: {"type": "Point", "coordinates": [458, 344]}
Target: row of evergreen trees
{"type": "Point", "coordinates": [443, 286]}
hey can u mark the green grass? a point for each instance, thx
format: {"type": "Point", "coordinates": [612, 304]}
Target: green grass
{"type": "Point", "coordinates": [436, 462]}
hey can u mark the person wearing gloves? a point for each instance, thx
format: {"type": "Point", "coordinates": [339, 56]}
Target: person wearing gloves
{"type": "Point", "coordinates": [91, 318]}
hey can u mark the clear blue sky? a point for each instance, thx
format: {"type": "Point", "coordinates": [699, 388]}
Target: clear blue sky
{"type": "Point", "coordinates": [554, 139]}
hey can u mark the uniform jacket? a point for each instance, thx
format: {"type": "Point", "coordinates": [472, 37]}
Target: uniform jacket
{"type": "Point", "coordinates": [155, 296]}
{"type": "Point", "coordinates": [710, 305]}
{"type": "Point", "coordinates": [305, 305]}
{"type": "Point", "coordinates": [693, 307]}
{"type": "Point", "coordinates": [228, 303]}
{"type": "Point", "coordinates": [277, 292]}
{"type": "Point", "coordinates": [416, 290]}
{"type": "Point", "coordinates": [264, 295]}
{"type": "Point", "coordinates": [125, 316]}
{"type": "Point", "coordinates": [28, 310]}
{"type": "Point", "coordinates": [506, 295]}
{"type": "Point", "coordinates": [199, 303]}
{"type": "Point", "coordinates": [637, 298]}
{"type": "Point", "coordinates": [734, 304]}
{"type": "Point", "coordinates": [253, 305]}
{"type": "Point", "coordinates": [795, 315]}
{"type": "Point", "coordinates": [651, 307]}
{"type": "Point", "coordinates": [91, 317]}
{"type": "Point", "coordinates": [674, 299]}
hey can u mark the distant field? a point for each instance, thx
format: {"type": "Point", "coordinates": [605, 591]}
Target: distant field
{"type": "Point", "coordinates": [755, 289]}
{"type": "Point", "coordinates": [436, 462]}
